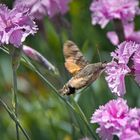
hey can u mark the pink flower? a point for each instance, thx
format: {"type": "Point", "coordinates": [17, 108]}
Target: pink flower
{"type": "Point", "coordinates": [132, 129]}
{"type": "Point", "coordinates": [36, 56]}
{"type": "Point", "coordinates": [115, 118]}
{"type": "Point", "coordinates": [105, 10]}
{"type": "Point", "coordinates": [136, 67]}
{"type": "Point", "coordinates": [121, 65]}
{"type": "Point", "coordinates": [128, 134]}
{"type": "Point", "coordinates": [111, 117]}
{"type": "Point", "coordinates": [124, 51]}
{"type": "Point", "coordinates": [113, 37]}
{"type": "Point", "coordinates": [105, 134]}
{"type": "Point", "coordinates": [115, 77]}
{"type": "Point", "coordinates": [41, 8]}
{"type": "Point", "coordinates": [130, 34]}
{"type": "Point", "coordinates": [15, 25]}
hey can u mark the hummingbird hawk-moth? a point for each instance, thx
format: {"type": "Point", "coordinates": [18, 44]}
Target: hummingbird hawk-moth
{"type": "Point", "coordinates": [82, 71]}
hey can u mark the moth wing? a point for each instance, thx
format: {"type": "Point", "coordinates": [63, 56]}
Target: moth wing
{"type": "Point", "coordinates": [74, 59]}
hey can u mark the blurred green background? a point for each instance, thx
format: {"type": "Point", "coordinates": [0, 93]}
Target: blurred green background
{"type": "Point", "coordinates": [43, 114]}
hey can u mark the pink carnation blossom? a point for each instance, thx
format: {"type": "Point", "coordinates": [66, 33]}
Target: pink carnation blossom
{"type": "Point", "coordinates": [105, 134]}
{"type": "Point", "coordinates": [116, 77]}
{"type": "Point", "coordinates": [132, 129]}
{"type": "Point", "coordinates": [15, 25]}
{"type": "Point", "coordinates": [41, 8]}
{"type": "Point", "coordinates": [136, 67]}
{"type": "Point", "coordinates": [128, 134]}
{"type": "Point", "coordinates": [130, 34]}
{"type": "Point", "coordinates": [124, 51]}
{"type": "Point", "coordinates": [116, 119]}
{"type": "Point", "coordinates": [105, 10]}
{"type": "Point", "coordinates": [126, 60]}
{"type": "Point", "coordinates": [111, 117]}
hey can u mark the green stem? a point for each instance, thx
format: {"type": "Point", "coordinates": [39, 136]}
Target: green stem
{"type": "Point", "coordinates": [14, 118]}
{"type": "Point", "coordinates": [119, 30]}
{"type": "Point", "coordinates": [83, 117]}
{"type": "Point", "coordinates": [15, 100]}
{"type": "Point", "coordinates": [15, 57]}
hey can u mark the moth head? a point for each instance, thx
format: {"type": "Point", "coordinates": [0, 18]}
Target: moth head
{"type": "Point", "coordinates": [100, 66]}
{"type": "Point", "coordinates": [103, 65]}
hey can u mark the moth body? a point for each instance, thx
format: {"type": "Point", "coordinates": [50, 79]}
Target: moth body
{"type": "Point", "coordinates": [82, 71]}
{"type": "Point", "coordinates": [84, 78]}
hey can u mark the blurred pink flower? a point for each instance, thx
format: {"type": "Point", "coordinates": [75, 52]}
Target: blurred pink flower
{"type": "Point", "coordinates": [36, 56]}
{"type": "Point", "coordinates": [128, 134]}
{"type": "Point", "coordinates": [105, 134]}
{"type": "Point", "coordinates": [132, 129]}
{"type": "Point", "coordinates": [111, 117]}
{"type": "Point", "coordinates": [113, 37]}
{"type": "Point", "coordinates": [130, 34]}
{"type": "Point", "coordinates": [40, 8]}
{"type": "Point", "coordinates": [105, 10]}
{"type": "Point", "coordinates": [116, 77]}
{"type": "Point", "coordinates": [15, 25]}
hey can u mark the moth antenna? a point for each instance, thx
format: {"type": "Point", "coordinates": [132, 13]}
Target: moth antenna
{"type": "Point", "coordinates": [98, 53]}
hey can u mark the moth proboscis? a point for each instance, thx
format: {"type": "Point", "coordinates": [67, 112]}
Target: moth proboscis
{"type": "Point", "coordinates": [83, 73]}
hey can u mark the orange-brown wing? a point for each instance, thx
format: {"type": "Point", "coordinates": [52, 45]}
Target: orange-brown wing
{"type": "Point", "coordinates": [74, 60]}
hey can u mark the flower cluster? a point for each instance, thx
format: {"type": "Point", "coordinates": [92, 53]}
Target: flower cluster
{"type": "Point", "coordinates": [126, 60]}
{"type": "Point", "coordinates": [132, 128]}
{"type": "Point", "coordinates": [15, 25]}
{"type": "Point", "coordinates": [116, 118]}
{"type": "Point", "coordinates": [41, 8]}
{"type": "Point", "coordinates": [105, 10]}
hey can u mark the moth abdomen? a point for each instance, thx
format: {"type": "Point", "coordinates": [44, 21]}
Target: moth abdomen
{"type": "Point", "coordinates": [67, 90]}
{"type": "Point", "coordinates": [71, 90]}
